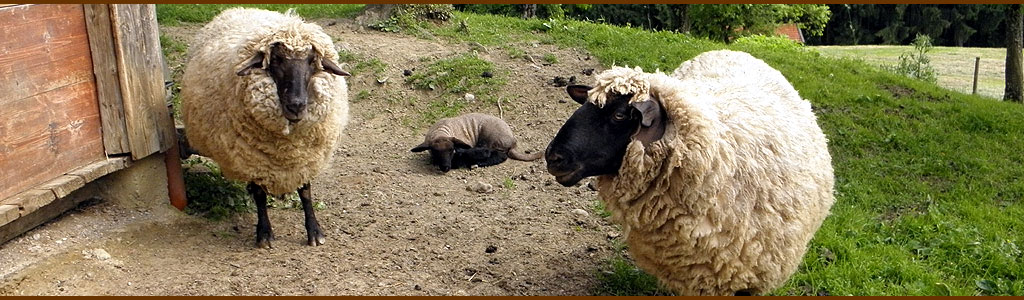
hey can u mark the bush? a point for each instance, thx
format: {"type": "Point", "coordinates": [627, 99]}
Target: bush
{"type": "Point", "coordinates": [916, 64]}
{"type": "Point", "coordinates": [768, 42]}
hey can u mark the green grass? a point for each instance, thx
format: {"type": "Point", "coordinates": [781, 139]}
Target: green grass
{"type": "Point", "coordinates": [953, 65]}
{"type": "Point", "coordinates": [454, 76]}
{"type": "Point", "coordinates": [927, 179]}
{"type": "Point", "coordinates": [211, 195]}
{"type": "Point", "coordinates": [173, 14]}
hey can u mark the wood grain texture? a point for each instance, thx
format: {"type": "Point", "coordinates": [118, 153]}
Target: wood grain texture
{"type": "Point", "coordinates": [108, 88]}
{"type": "Point", "coordinates": [30, 200]}
{"type": "Point", "coordinates": [139, 60]}
{"type": "Point", "coordinates": [47, 94]}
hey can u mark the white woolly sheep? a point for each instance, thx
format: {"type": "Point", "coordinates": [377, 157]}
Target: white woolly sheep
{"type": "Point", "coordinates": [263, 97]}
{"type": "Point", "coordinates": [471, 139]}
{"type": "Point", "coordinates": [720, 177]}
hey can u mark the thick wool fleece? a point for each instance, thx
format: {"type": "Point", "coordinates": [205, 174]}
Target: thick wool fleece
{"type": "Point", "coordinates": [237, 120]}
{"type": "Point", "coordinates": [731, 195]}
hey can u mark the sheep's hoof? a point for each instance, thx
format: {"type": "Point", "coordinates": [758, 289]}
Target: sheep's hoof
{"type": "Point", "coordinates": [315, 238]}
{"type": "Point", "coordinates": [263, 239]}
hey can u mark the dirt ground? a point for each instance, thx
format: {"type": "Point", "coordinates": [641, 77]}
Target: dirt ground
{"type": "Point", "coordinates": [394, 224]}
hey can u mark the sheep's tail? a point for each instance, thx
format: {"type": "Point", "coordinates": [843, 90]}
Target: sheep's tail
{"type": "Point", "coordinates": [516, 155]}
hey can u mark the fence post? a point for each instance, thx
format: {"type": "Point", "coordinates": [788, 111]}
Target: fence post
{"type": "Point", "coordinates": [974, 90]}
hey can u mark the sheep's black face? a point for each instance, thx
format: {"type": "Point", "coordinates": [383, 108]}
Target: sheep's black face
{"type": "Point", "coordinates": [291, 73]}
{"type": "Point", "coordinates": [442, 151]}
{"type": "Point", "coordinates": [594, 139]}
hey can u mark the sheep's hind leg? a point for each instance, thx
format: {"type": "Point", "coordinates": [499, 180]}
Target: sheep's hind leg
{"type": "Point", "coordinates": [263, 232]}
{"type": "Point", "coordinates": [314, 235]}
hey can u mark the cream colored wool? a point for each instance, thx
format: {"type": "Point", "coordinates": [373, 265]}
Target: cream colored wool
{"type": "Point", "coordinates": [237, 120]}
{"type": "Point", "coordinates": [743, 176]}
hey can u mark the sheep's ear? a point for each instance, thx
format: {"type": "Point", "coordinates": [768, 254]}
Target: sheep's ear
{"type": "Point", "coordinates": [578, 93]}
{"type": "Point", "coordinates": [332, 68]}
{"type": "Point", "coordinates": [422, 147]}
{"type": "Point", "coordinates": [649, 111]}
{"type": "Point", "coordinates": [459, 144]}
{"type": "Point", "coordinates": [254, 62]}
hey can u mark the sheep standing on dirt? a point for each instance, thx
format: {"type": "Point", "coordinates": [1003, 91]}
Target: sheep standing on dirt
{"type": "Point", "coordinates": [720, 177]}
{"type": "Point", "coordinates": [471, 139]}
{"type": "Point", "coordinates": [263, 97]}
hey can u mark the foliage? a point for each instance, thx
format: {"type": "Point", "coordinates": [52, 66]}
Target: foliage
{"type": "Point", "coordinates": [210, 195]}
{"type": "Point", "coordinates": [173, 14]}
{"type": "Point", "coordinates": [724, 22]}
{"type": "Point", "coordinates": [769, 42]}
{"type": "Point", "coordinates": [544, 11]}
{"type": "Point", "coordinates": [916, 64]}
{"type": "Point", "coordinates": [972, 25]}
{"type": "Point", "coordinates": [412, 16]}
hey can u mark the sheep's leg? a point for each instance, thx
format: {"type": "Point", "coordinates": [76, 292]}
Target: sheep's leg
{"type": "Point", "coordinates": [263, 232]}
{"type": "Point", "coordinates": [314, 236]}
{"type": "Point", "coordinates": [492, 157]}
{"type": "Point", "coordinates": [481, 157]}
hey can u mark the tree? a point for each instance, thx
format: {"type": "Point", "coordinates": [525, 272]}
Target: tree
{"type": "Point", "coordinates": [1014, 46]}
{"type": "Point", "coordinates": [529, 11]}
{"type": "Point", "coordinates": [727, 21]}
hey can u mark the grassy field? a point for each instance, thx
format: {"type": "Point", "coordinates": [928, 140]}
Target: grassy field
{"type": "Point", "coordinates": [928, 189]}
{"type": "Point", "coordinates": [954, 65]}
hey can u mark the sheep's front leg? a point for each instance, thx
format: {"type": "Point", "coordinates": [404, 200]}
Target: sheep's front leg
{"type": "Point", "coordinates": [314, 236]}
{"type": "Point", "coordinates": [263, 232]}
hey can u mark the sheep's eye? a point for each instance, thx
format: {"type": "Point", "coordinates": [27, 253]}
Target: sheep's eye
{"type": "Point", "coordinates": [618, 116]}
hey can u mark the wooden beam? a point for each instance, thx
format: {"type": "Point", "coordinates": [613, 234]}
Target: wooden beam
{"type": "Point", "coordinates": [108, 88]}
{"type": "Point", "coordinates": [139, 61]}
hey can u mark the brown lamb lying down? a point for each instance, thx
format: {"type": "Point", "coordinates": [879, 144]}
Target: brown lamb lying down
{"type": "Point", "coordinates": [471, 139]}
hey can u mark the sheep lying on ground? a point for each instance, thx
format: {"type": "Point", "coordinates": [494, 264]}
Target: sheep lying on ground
{"type": "Point", "coordinates": [719, 177]}
{"type": "Point", "coordinates": [471, 139]}
{"type": "Point", "coordinates": [263, 97]}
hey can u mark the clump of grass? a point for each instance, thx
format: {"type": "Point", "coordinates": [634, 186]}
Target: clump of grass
{"type": "Point", "coordinates": [361, 95]}
{"type": "Point", "coordinates": [212, 196]}
{"type": "Point", "coordinates": [550, 58]}
{"type": "Point", "coordinates": [457, 75]}
{"type": "Point", "coordinates": [508, 183]}
{"type": "Point", "coordinates": [515, 53]}
{"type": "Point", "coordinates": [620, 277]}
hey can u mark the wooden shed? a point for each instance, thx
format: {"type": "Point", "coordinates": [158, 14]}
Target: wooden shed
{"type": "Point", "coordinates": [82, 96]}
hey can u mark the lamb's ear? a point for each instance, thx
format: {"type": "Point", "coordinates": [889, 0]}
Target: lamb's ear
{"type": "Point", "coordinates": [578, 93]}
{"type": "Point", "coordinates": [332, 68]}
{"type": "Point", "coordinates": [254, 62]}
{"type": "Point", "coordinates": [459, 144]}
{"type": "Point", "coordinates": [649, 111]}
{"type": "Point", "coordinates": [422, 147]}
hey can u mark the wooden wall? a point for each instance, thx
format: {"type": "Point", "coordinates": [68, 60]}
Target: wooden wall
{"type": "Point", "coordinates": [50, 120]}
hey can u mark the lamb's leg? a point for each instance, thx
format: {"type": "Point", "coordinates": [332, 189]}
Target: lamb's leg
{"type": "Point", "coordinates": [263, 232]}
{"type": "Point", "coordinates": [481, 157]}
{"type": "Point", "coordinates": [314, 236]}
{"type": "Point", "coordinates": [491, 157]}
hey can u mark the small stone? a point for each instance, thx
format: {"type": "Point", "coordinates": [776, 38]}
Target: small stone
{"type": "Point", "coordinates": [417, 287]}
{"type": "Point", "coordinates": [560, 81]}
{"type": "Point", "coordinates": [613, 234]}
{"type": "Point", "coordinates": [580, 212]}
{"type": "Point", "coordinates": [481, 187]}
{"type": "Point", "coordinates": [382, 80]}
{"type": "Point", "coordinates": [491, 249]}
{"type": "Point", "coordinates": [588, 72]}
{"type": "Point", "coordinates": [35, 236]}
{"type": "Point", "coordinates": [562, 101]}
{"type": "Point", "coordinates": [470, 97]}
{"type": "Point", "coordinates": [486, 74]}
{"type": "Point", "coordinates": [100, 254]}
{"type": "Point", "coordinates": [406, 72]}
{"type": "Point", "coordinates": [592, 185]}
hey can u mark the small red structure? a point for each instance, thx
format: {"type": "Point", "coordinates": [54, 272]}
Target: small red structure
{"type": "Point", "coordinates": [791, 31]}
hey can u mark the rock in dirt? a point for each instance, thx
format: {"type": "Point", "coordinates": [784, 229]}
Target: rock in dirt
{"type": "Point", "coordinates": [588, 72]}
{"type": "Point", "coordinates": [469, 97]}
{"type": "Point", "coordinates": [486, 74]}
{"type": "Point", "coordinates": [613, 234]}
{"type": "Point", "coordinates": [481, 187]}
{"type": "Point", "coordinates": [97, 253]}
{"type": "Point", "coordinates": [560, 81]}
{"type": "Point", "coordinates": [491, 249]}
{"type": "Point", "coordinates": [580, 212]}
{"type": "Point", "coordinates": [406, 72]}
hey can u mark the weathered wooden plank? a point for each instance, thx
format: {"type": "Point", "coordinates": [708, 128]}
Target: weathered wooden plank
{"type": "Point", "coordinates": [26, 222]}
{"type": "Point", "coordinates": [139, 60]}
{"type": "Point", "coordinates": [108, 88]}
{"type": "Point", "coordinates": [52, 133]}
{"type": "Point", "coordinates": [8, 213]}
{"type": "Point", "coordinates": [64, 185]}
{"type": "Point", "coordinates": [99, 169]}
{"type": "Point", "coordinates": [42, 49]}
{"type": "Point", "coordinates": [30, 200]}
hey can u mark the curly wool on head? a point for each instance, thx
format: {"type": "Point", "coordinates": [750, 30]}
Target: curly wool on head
{"type": "Point", "coordinates": [730, 197]}
{"type": "Point", "coordinates": [237, 120]}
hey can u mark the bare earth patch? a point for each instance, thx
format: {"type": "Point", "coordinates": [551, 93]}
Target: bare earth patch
{"type": "Point", "coordinates": [394, 224]}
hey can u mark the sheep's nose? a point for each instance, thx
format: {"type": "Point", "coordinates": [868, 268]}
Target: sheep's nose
{"type": "Point", "coordinates": [295, 108]}
{"type": "Point", "coordinates": [553, 157]}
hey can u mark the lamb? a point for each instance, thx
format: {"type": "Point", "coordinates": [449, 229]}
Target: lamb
{"type": "Point", "coordinates": [719, 177]}
{"type": "Point", "coordinates": [471, 139]}
{"type": "Point", "coordinates": [263, 97]}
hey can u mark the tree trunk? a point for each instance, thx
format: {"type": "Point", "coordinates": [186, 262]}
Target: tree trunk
{"type": "Point", "coordinates": [684, 17]}
{"type": "Point", "coordinates": [529, 11]}
{"type": "Point", "coordinates": [1014, 43]}
{"type": "Point", "coordinates": [373, 13]}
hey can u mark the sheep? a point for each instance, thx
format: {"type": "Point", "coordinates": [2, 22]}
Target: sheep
{"type": "Point", "coordinates": [263, 97]}
{"type": "Point", "coordinates": [719, 177]}
{"type": "Point", "coordinates": [471, 139]}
